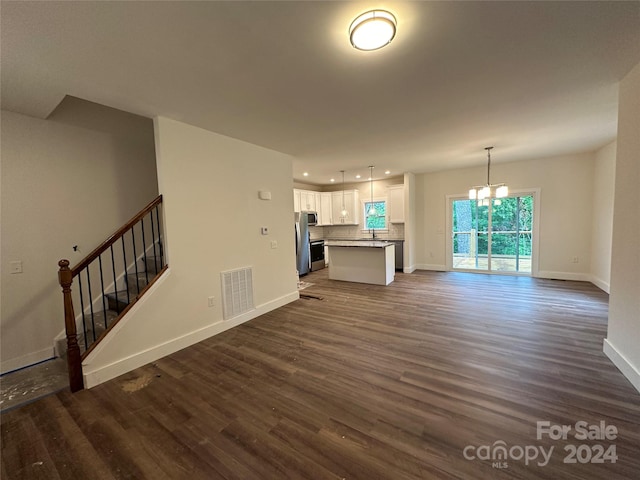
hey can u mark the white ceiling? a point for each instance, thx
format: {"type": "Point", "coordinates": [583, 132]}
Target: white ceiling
{"type": "Point", "coordinates": [534, 79]}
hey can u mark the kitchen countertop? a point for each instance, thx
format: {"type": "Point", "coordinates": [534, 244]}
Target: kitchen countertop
{"type": "Point", "coordinates": [366, 239]}
{"type": "Point", "coordinates": [358, 243]}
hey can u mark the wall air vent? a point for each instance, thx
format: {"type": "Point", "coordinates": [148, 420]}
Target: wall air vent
{"type": "Point", "coordinates": [237, 292]}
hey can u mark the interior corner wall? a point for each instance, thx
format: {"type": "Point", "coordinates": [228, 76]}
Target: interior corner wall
{"type": "Point", "coordinates": [602, 220]}
{"type": "Point", "coordinates": [212, 221]}
{"type": "Point", "coordinates": [565, 185]}
{"type": "Point", "coordinates": [410, 222]}
{"type": "Point", "coordinates": [69, 180]}
{"type": "Point", "coordinates": [622, 344]}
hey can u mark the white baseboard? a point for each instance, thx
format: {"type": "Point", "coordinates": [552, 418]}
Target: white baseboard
{"type": "Point", "coordinates": [108, 372]}
{"type": "Point", "coordinates": [627, 368]}
{"type": "Point", "coordinates": [409, 269]}
{"type": "Point", "coordinates": [26, 360]}
{"type": "Point", "coordinates": [601, 284]}
{"type": "Point", "coordinates": [429, 266]}
{"type": "Point", "coordinates": [579, 277]}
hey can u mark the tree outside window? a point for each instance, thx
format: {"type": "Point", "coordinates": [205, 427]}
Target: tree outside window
{"type": "Point", "coordinates": [379, 220]}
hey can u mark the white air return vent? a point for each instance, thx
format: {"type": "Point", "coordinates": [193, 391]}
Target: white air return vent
{"type": "Point", "coordinates": [237, 292]}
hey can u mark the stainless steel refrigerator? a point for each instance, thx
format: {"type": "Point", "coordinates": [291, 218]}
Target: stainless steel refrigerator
{"type": "Point", "coordinates": [303, 256]}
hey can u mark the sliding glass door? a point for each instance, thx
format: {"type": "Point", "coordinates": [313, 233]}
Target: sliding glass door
{"type": "Point", "coordinates": [492, 235]}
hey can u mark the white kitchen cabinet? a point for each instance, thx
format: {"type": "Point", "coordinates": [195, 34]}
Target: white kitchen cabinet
{"type": "Point", "coordinates": [395, 203]}
{"type": "Point", "coordinates": [296, 200]}
{"type": "Point", "coordinates": [352, 205]}
{"type": "Point", "coordinates": [323, 206]}
{"type": "Point", "coordinates": [308, 200]}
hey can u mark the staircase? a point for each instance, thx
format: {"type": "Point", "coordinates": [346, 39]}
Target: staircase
{"type": "Point", "coordinates": [93, 325]}
{"type": "Point", "coordinates": [107, 283]}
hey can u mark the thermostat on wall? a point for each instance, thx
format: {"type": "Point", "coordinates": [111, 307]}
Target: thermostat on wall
{"type": "Point", "coordinates": [264, 195]}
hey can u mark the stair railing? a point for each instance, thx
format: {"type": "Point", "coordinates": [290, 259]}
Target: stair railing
{"type": "Point", "coordinates": [138, 240]}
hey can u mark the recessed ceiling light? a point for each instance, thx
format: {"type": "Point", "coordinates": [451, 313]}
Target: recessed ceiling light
{"type": "Point", "coordinates": [357, 176]}
{"type": "Point", "coordinates": [305, 174]}
{"type": "Point", "coordinates": [387, 172]}
{"type": "Point", "coordinates": [332, 180]}
{"type": "Point", "coordinates": [372, 30]}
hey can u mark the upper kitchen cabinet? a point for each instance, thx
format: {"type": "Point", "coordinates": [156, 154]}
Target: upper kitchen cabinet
{"type": "Point", "coordinates": [296, 200]}
{"type": "Point", "coordinates": [395, 200]}
{"type": "Point", "coordinates": [323, 206]}
{"type": "Point", "coordinates": [304, 200]}
{"type": "Point", "coordinates": [352, 205]}
{"type": "Point", "coordinates": [308, 200]}
{"type": "Point", "coordinates": [329, 205]}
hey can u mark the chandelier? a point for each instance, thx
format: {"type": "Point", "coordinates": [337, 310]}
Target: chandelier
{"type": "Point", "coordinates": [485, 192]}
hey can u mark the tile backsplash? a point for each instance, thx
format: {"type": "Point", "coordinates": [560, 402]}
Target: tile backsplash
{"type": "Point", "coordinates": [395, 232]}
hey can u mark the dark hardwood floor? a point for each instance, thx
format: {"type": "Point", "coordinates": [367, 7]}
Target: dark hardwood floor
{"type": "Point", "coordinates": [370, 382]}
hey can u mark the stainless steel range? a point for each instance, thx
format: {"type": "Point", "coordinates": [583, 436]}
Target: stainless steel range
{"type": "Point", "coordinates": [317, 255]}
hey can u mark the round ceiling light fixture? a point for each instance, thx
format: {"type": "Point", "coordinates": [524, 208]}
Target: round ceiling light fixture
{"type": "Point", "coordinates": [372, 30]}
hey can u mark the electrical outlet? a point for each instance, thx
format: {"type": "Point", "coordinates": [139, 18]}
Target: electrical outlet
{"type": "Point", "coordinates": [212, 301]}
{"type": "Point", "coordinates": [264, 230]}
{"type": "Point", "coordinates": [274, 244]}
{"type": "Point", "coordinates": [575, 260]}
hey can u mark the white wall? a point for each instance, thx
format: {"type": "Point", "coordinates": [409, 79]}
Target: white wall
{"type": "Point", "coordinates": [622, 344]}
{"type": "Point", "coordinates": [410, 215]}
{"type": "Point", "coordinates": [602, 219]}
{"type": "Point", "coordinates": [565, 185]}
{"type": "Point", "coordinates": [213, 216]}
{"type": "Point", "coordinates": [70, 180]}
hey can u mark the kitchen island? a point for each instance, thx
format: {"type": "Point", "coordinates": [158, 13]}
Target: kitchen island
{"type": "Point", "coordinates": [361, 261]}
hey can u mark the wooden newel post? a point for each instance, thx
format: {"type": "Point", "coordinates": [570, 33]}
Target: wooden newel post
{"type": "Point", "coordinates": [74, 361]}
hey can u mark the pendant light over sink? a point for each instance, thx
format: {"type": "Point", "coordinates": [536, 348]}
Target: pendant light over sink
{"type": "Point", "coordinates": [372, 209]}
{"type": "Point", "coordinates": [344, 214]}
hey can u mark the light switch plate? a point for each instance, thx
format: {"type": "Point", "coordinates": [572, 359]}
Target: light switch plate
{"type": "Point", "coordinates": [15, 266]}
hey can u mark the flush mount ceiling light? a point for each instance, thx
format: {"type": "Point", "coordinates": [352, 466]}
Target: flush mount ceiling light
{"type": "Point", "coordinates": [372, 30]}
{"type": "Point", "coordinates": [484, 192]}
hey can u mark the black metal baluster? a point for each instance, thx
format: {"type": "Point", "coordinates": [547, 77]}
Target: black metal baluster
{"type": "Point", "coordinates": [155, 255]}
{"type": "Point", "coordinates": [115, 283]}
{"type": "Point", "coordinates": [124, 260]}
{"type": "Point", "coordinates": [135, 259]}
{"type": "Point", "coordinates": [84, 323]}
{"type": "Point", "coordinates": [104, 300]}
{"type": "Point", "coordinates": [144, 252]}
{"type": "Point", "coordinates": [159, 238]}
{"type": "Point", "coordinates": [93, 324]}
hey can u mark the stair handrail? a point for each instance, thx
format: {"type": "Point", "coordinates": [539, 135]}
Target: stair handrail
{"type": "Point", "coordinates": [65, 278]}
{"type": "Point", "coordinates": [115, 236]}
